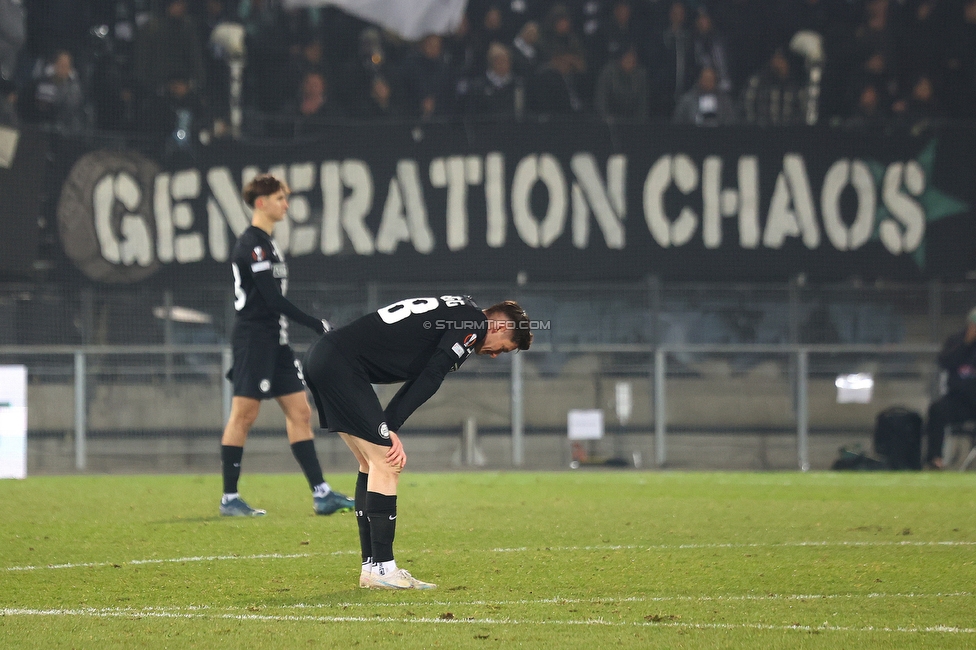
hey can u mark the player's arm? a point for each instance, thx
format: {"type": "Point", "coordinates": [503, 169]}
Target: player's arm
{"type": "Point", "coordinates": [417, 391]}
{"type": "Point", "coordinates": [269, 290]}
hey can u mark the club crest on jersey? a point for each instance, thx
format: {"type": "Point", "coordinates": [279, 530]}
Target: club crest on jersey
{"type": "Point", "coordinates": [383, 430]}
{"type": "Point", "coordinates": [257, 254]}
{"type": "Point", "coordinates": [470, 339]}
{"type": "Point", "coordinates": [265, 385]}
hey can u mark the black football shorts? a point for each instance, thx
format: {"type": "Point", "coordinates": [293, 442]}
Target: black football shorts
{"type": "Point", "coordinates": [343, 394]}
{"type": "Point", "coordinates": [263, 368]}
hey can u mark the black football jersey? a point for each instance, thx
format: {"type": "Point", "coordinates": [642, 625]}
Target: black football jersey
{"type": "Point", "coordinates": [396, 343]}
{"type": "Point", "coordinates": [261, 283]}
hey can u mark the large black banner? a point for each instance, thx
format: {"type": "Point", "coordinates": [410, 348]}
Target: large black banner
{"type": "Point", "coordinates": [23, 156]}
{"type": "Point", "coordinates": [472, 202]}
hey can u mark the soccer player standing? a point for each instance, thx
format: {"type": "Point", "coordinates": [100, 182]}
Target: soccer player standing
{"type": "Point", "coordinates": [416, 341]}
{"type": "Point", "coordinates": [264, 364]}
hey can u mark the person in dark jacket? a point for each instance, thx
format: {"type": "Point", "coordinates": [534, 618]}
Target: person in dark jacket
{"type": "Point", "coordinates": [706, 104]}
{"type": "Point", "coordinates": [556, 88]}
{"type": "Point", "coordinates": [427, 80]}
{"type": "Point", "coordinates": [168, 48]}
{"type": "Point", "coordinates": [497, 91]}
{"type": "Point", "coordinates": [57, 98]}
{"type": "Point", "coordinates": [958, 360]}
{"type": "Point", "coordinates": [621, 89]}
{"type": "Point", "coordinates": [774, 96]}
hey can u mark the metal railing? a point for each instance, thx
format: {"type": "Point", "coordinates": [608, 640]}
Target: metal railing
{"type": "Point", "coordinates": [798, 358]}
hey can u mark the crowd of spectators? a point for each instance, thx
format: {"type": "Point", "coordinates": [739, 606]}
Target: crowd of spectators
{"type": "Point", "coordinates": [152, 65]}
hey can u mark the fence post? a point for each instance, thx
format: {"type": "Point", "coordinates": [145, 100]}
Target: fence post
{"type": "Point", "coordinates": [81, 408]}
{"type": "Point", "coordinates": [518, 412]}
{"type": "Point", "coordinates": [227, 392]}
{"type": "Point", "coordinates": [660, 407]}
{"type": "Point", "coordinates": [471, 453]}
{"type": "Point", "coordinates": [802, 409]}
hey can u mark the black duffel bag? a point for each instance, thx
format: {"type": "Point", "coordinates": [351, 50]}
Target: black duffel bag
{"type": "Point", "coordinates": [898, 438]}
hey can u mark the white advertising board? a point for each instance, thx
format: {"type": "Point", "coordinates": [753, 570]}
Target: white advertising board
{"type": "Point", "coordinates": [585, 424]}
{"type": "Point", "coordinates": [13, 421]}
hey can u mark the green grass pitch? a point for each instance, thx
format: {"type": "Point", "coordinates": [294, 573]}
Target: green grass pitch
{"type": "Point", "coordinates": [588, 559]}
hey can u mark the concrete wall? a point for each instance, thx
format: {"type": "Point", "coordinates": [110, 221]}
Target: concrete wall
{"type": "Point", "coordinates": [270, 452]}
{"type": "Point", "coordinates": [725, 402]}
{"type": "Point", "coordinates": [717, 420]}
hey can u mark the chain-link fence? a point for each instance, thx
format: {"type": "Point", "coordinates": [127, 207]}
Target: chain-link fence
{"type": "Point", "coordinates": [650, 312]}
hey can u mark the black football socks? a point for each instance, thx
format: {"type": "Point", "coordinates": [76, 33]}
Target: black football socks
{"type": "Point", "coordinates": [304, 452]}
{"type": "Point", "coordinates": [230, 463]}
{"type": "Point", "coordinates": [381, 513]}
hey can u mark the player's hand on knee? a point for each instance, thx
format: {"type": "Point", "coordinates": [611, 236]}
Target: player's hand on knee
{"type": "Point", "coordinates": [397, 457]}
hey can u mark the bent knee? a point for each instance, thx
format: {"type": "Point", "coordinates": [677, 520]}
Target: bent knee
{"type": "Point", "coordinates": [300, 414]}
{"type": "Point", "coordinates": [383, 468]}
{"type": "Point", "coordinates": [302, 419]}
{"type": "Point", "coordinates": [244, 416]}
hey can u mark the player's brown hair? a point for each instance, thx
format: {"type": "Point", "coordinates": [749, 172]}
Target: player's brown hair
{"type": "Point", "coordinates": [511, 311]}
{"type": "Point", "coordinates": [262, 185]}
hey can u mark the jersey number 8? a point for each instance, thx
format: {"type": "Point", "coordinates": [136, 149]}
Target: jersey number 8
{"type": "Point", "coordinates": [399, 310]}
{"type": "Point", "coordinates": [240, 298]}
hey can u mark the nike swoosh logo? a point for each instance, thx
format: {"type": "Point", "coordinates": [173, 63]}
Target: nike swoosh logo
{"type": "Point", "coordinates": [392, 517]}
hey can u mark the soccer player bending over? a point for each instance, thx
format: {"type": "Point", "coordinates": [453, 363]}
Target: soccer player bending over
{"type": "Point", "coordinates": [264, 363]}
{"type": "Point", "coordinates": [416, 341]}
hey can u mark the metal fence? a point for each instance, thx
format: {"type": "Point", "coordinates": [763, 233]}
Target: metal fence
{"type": "Point", "coordinates": [722, 375]}
{"type": "Point", "coordinates": [651, 312]}
{"type": "Point", "coordinates": [693, 405]}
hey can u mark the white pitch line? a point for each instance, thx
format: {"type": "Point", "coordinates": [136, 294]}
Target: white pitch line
{"type": "Point", "coordinates": [684, 547]}
{"type": "Point", "coordinates": [195, 614]}
{"type": "Point", "coordinates": [649, 599]}
{"type": "Point", "coordinates": [177, 560]}
{"type": "Point", "coordinates": [519, 549]}
{"type": "Point", "coordinates": [577, 601]}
